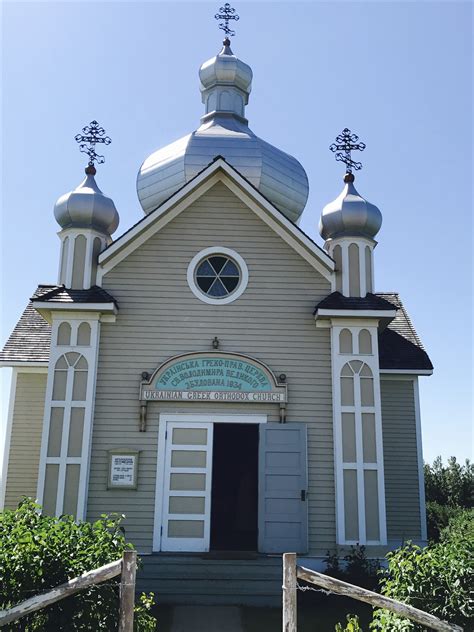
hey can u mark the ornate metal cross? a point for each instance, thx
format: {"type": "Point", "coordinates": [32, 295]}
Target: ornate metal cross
{"type": "Point", "coordinates": [91, 135]}
{"type": "Point", "coordinates": [227, 13]}
{"type": "Point", "coordinates": [345, 143]}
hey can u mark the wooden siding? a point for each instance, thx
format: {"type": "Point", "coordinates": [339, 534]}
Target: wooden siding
{"type": "Point", "coordinates": [401, 460]}
{"type": "Point", "coordinates": [25, 442]}
{"type": "Point", "coordinates": [159, 317]}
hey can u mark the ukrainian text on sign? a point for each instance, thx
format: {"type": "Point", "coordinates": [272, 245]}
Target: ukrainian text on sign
{"type": "Point", "coordinates": [218, 377]}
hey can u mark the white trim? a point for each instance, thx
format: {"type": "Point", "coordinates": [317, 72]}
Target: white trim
{"type": "Point", "coordinates": [219, 171]}
{"type": "Point", "coordinates": [29, 367]}
{"type": "Point", "coordinates": [85, 307]}
{"type": "Point", "coordinates": [338, 361]}
{"type": "Point", "coordinates": [419, 448]}
{"type": "Point", "coordinates": [345, 268]}
{"type": "Point", "coordinates": [215, 250]}
{"type": "Point", "coordinates": [8, 434]}
{"type": "Point", "coordinates": [356, 313]}
{"type": "Point", "coordinates": [164, 419]}
{"type": "Point", "coordinates": [217, 418]}
{"type": "Point", "coordinates": [394, 374]}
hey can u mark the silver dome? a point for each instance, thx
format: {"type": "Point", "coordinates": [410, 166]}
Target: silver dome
{"type": "Point", "coordinates": [350, 215]}
{"type": "Point", "coordinates": [87, 207]}
{"type": "Point", "coordinates": [225, 88]}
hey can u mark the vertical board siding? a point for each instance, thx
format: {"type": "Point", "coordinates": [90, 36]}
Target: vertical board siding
{"type": "Point", "coordinates": [160, 317]}
{"type": "Point", "coordinates": [401, 460]}
{"type": "Point", "coordinates": [25, 442]}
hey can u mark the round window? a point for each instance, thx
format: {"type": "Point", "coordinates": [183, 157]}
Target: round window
{"type": "Point", "coordinates": [217, 276]}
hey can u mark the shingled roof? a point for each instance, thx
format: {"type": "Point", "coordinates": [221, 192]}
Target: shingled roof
{"type": "Point", "coordinates": [61, 294]}
{"type": "Point", "coordinates": [31, 338]}
{"type": "Point", "coordinates": [400, 348]}
{"type": "Point", "coordinates": [399, 345]}
{"type": "Point", "coordinates": [369, 302]}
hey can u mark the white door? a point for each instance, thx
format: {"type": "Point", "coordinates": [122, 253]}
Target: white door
{"type": "Point", "coordinates": [187, 487]}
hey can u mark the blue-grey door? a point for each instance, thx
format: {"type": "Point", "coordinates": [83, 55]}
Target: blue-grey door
{"type": "Point", "coordinates": [283, 507]}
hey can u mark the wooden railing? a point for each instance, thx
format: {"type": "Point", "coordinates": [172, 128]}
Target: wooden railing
{"type": "Point", "coordinates": [292, 572]}
{"type": "Point", "coordinates": [126, 567]}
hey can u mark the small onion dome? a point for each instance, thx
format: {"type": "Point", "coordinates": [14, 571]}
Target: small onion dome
{"type": "Point", "coordinates": [350, 215]}
{"type": "Point", "coordinates": [87, 207]}
{"type": "Point", "coordinates": [226, 68]}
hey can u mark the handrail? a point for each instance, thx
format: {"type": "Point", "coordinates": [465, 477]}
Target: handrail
{"type": "Point", "coordinates": [125, 566]}
{"type": "Point", "coordinates": [292, 572]}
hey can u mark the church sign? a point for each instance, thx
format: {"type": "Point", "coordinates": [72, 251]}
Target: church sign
{"type": "Point", "coordinates": [213, 377]}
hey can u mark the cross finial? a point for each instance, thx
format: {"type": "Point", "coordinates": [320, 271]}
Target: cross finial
{"type": "Point", "coordinates": [91, 135]}
{"type": "Point", "coordinates": [345, 143]}
{"type": "Point", "coordinates": [227, 13]}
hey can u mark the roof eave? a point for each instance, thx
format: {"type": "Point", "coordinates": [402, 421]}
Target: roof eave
{"type": "Point", "coordinates": [45, 308]}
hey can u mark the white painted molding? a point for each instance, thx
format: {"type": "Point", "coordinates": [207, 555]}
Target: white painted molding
{"type": "Point", "coordinates": [419, 447]}
{"type": "Point", "coordinates": [394, 374]}
{"type": "Point", "coordinates": [356, 313]}
{"type": "Point", "coordinates": [41, 366]}
{"type": "Point", "coordinates": [217, 250]}
{"type": "Point", "coordinates": [8, 434]}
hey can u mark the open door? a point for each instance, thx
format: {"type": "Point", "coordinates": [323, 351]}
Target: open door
{"type": "Point", "coordinates": [187, 489]}
{"type": "Point", "coordinates": [283, 511]}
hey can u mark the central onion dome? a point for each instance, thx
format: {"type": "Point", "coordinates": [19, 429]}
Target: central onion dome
{"type": "Point", "coordinates": [225, 88]}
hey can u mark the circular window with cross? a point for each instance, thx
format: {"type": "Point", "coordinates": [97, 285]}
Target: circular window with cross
{"type": "Point", "coordinates": [217, 275]}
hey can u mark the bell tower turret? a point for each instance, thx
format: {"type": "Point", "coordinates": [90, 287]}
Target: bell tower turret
{"type": "Point", "coordinates": [349, 225]}
{"type": "Point", "coordinates": [87, 218]}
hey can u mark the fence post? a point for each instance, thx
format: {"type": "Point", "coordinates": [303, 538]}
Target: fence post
{"type": "Point", "coordinates": [127, 591]}
{"type": "Point", "coordinates": [289, 592]}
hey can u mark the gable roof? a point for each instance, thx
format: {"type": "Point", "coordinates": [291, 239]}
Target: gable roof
{"type": "Point", "coordinates": [217, 171]}
{"type": "Point", "coordinates": [29, 342]}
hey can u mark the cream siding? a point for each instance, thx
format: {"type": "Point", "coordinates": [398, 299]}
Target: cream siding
{"type": "Point", "coordinates": [401, 460]}
{"type": "Point", "coordinates": [160, 317]}
{"type": "Point", "coordinates": [25, 441]}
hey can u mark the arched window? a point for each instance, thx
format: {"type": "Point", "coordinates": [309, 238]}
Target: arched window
{"type": "Point", "coordinates": [368, 270]}
{"type": "Point", "coordinates": [357, 384]}
{"type": "Point", "coordinates": [365, 341]}
{"type": "Point", "coordinates": [64, 261]}
{"type": "Point", "coordinates": [79, 262]}
{"type": "Point", "coordinates": [354, 270]}
{"type": "Point", "coordinates": [337, 256]}
{"type": "Point", "coordinates": [345, 341]}
{"type": "Point", "coordinates": [64, 334]}
{"type": "Point", "coordinates": [84, 335]}
{"type": "Point", "coordinates": [70, 372]}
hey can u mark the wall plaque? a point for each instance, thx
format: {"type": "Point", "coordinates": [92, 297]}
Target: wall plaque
{"type": "Point", "coordinates": [215, 377]}
{"type": "Point", "coordinates": [123, 469]}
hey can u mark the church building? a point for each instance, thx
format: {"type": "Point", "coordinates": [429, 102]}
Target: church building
{"type": "Point", "coordinates": [232, 387]}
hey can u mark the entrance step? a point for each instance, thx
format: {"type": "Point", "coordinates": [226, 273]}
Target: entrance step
{"type": "Point", "coordinates": [206, 619]}
{"type": "Point", "coordinates": [200, 580]}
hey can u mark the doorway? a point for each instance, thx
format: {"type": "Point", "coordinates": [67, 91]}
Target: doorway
{"type": "Point", "coordinates": [234, 495]}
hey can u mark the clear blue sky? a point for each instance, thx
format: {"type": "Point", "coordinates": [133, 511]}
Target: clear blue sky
{"type": "Point", "coordinates": [398, 73]}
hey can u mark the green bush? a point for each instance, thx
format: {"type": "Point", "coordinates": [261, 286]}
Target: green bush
{"type": "Point", "coordinates": [352, 624]}
{"type": "Point", "coordinates": [38, 552]}
{"type": "Point", "coordinates": [355, 568]}
{"type": "Point", "coordinates": [437, 579]}
{"type": "Point", "coordinates": [448, 490]}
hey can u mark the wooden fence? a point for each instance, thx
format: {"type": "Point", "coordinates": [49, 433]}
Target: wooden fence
{"type": "Point", "coordinates": [126, 567]}
{"type": "Point", "coordinates": [292, 572]}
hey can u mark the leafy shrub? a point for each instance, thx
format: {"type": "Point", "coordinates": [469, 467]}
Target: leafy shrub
{"type": "Point", "coordinates": [436, 579]}
{"type": "Point", "coordinates": [352, 624]}
{"type": "Point", "coordinates": [38, 552]}
{"type": "Point", "coordinates": [448, 490]}
{"type": "Point", "coordinates": [356, 568]}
